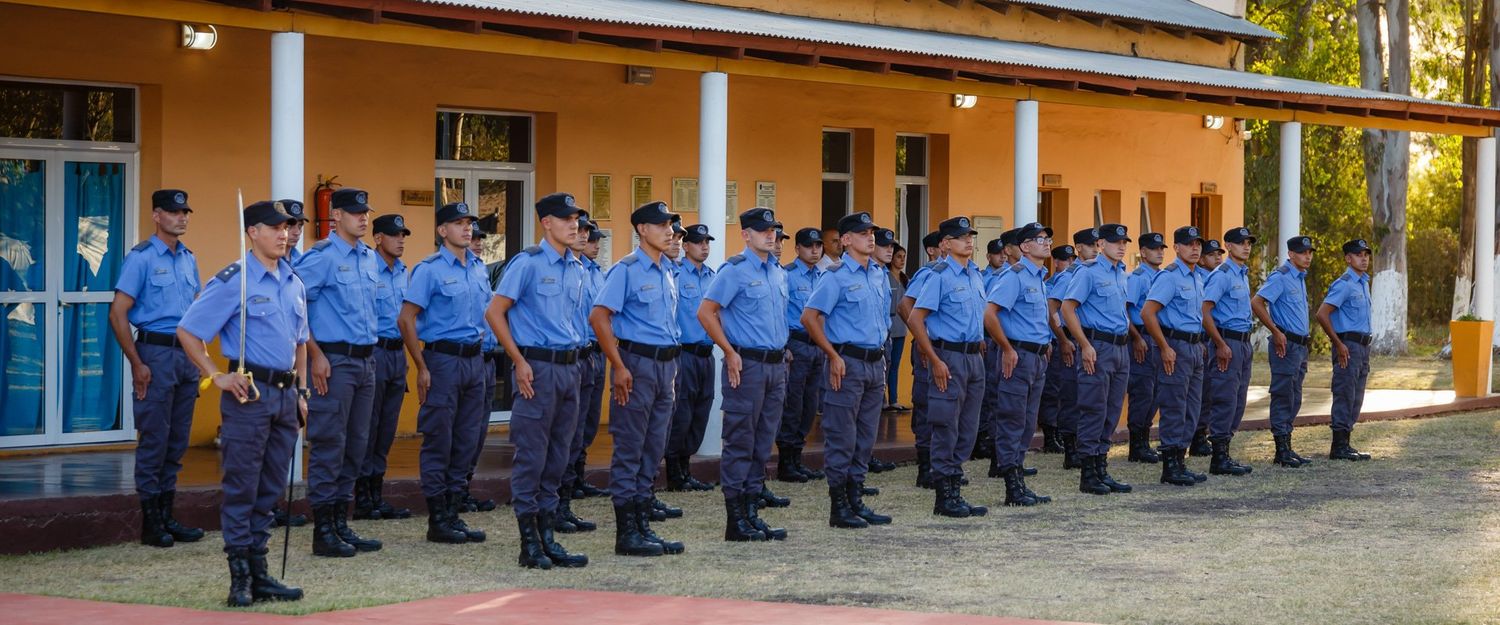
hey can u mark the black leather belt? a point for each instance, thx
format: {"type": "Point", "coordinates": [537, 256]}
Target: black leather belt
{"type": "Point", "coordinates": [1114, 339]}
{"type": "Point", "coordinates": [157, 338]}
{"type": "Point", "coordinates": [274, 377]}
{"type": "Point", "coordinates": [955, 346]}
{"type": "Point", "coordinates": [1234, 335]}
{"type": "Point", "coordinates": [454, 348]}
{"type": "Point", "coordinates": [799, 335]}
{"type": "Point", "coordinates": [862, 353]}
{"type": "Point", "coordinates": [554, 356]}
{"type": "Point", "coordinates": [702, 350]}
{"type": "Point", "coordinates": [394, 345]}
{"type": "Point", "coordinates": [654, 352]}
{"type": "Point", "coordinates": [1299, 339]}
{"type": "Point", "coordinates": [588, 350]}
{"type": "Point", "coordinates": [1356, 337]}
{"type": "Point", "coordinates": [1025, 346]}
{"type": "Point", "coordinates": [768, 356]}
{"type": "Point", "coordinates": [347, 349]}
{"type": "Point", "coordinates": [1188, 337]}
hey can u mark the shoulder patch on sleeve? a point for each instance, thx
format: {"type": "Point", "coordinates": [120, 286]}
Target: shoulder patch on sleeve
{"type": "Point", "coordinates": [228, 272]}
{"type": "Point", "coordinates": [142, 246]}
{"type": "Point", "coordinates": [630, 259]}
{"type": "Point", "coordinates": [736, 259]}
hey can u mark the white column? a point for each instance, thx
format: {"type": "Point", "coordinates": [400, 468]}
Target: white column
{"type": "Point", "coordinates": [1484, 231]}
{"type": "Point", "coordinates": [1289, 218]}
{"type": "Point", "coordinates": [286, 141]}
{"type": "Point", "coordinates": [713, 172]}
{"type": "Point", "coordinates": [1026, 166]}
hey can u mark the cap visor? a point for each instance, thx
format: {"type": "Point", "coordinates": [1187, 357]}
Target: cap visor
{"type": "Point", "coordinates": [862, 228]}
{"type": "Point", "coordinates": [276, 220]}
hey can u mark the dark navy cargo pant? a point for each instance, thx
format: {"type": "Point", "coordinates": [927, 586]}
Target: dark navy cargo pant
{"type": "Point", "coordinates": [590, 396]}
{"type": "Point", "coordinates": [256, 440]}
{"type": "Point", "coordinates": [1287, 373]}
{"type": "Point", "coordinates": [694, 398]}
{"type": "Point", "coordinates": [338, 429]}
{"type": "Point", "coordinates": [1144, 403]}
{"type": "Point", "coordinates": [953, 413]}
{"type": "Point", "coordinates": [390, 392]}
{"type": "Point", "coordinates": [1179, 394]}
{"type": "Point", "coordinates": [542, 429]}
{"type": "Point", "coordinates": [1101, 394]}
{"type": "Point", "coordinates": [1020, 396]}
{"type": "Point", "coordinates": [640, 427]}
{"type": "Point", "coordinates": [455, 403]}
{"type": "Point", "coordinates": [921, 377]}
{"type": "Point", "coordinates": [1226, 391]}
{"type": "Point", "coordinates": [808, 366]}
{"type": "Point", "coordinates": [1349, 387]}
{"type": "Point", "coordinates": [1059, 405]}
{"type": "Point", "coordinates": [851, 419]}
{"type": "Point", "coordinates": [164, 419]}
{"type": "Point", "coordinates": [752, 415]}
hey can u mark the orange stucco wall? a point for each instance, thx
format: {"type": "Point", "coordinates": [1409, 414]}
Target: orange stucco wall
{"type": "Point", "coordinates": [369, 120]}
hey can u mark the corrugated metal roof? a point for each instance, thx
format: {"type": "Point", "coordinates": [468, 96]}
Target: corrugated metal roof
{"type": "Point", "coordinates": [1181, 13]}
{"type": "Point", "coordinates": [679, 14]}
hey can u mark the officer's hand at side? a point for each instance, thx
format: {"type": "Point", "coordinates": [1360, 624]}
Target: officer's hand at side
{"type": "Point", "coordinates": [1138, 349]}
{"type": "Point", "coordinates": [301, 412]}
{"type": "Point", "coordinates": [623, 382]}
{"type": "Point", "coordinates": [732, 366]}
{"type": "Point", "coordinates": [140, 378]}
{"type": "Point", "coordinates": [524, 376]}
{"type": "Point", "coordinates": [940, 375]}
{"type": "Point", "coordinates": [233, 384]}
{"type": "Point", "coordinates": [1278, 341]}
{"type": "Point", "coordinates": [319, 368]}
{"type": "Point", "coordinates": [1067, 353]}
{"type": "Point", "coordinates": [1223, 354]}
{"type": "Point", "coordinates": [1008, 360]}
{"type": "Point", "coordinates": [424, 382]}
{"type": "Point", "coordinates": [836, 370]}
{"type": "Point", "coordinates": [1089, 357]}
{"type": "Point", "coordinates": [1168, 360]}
{"type": "Point", "coordinates": [1343, 352]}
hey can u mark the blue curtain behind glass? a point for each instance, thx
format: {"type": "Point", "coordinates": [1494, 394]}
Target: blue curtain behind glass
{"type": "Point", "coordinates": [23, 215]}
{"type": "Point", "coordinates": [93, 207]}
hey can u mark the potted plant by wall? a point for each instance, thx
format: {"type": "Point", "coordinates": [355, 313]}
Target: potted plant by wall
{"type": "Point", "coordinates": [1472, 341]}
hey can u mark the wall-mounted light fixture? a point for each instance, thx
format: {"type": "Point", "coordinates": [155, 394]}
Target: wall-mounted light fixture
{"type": "Point", "coordinates": [639, 74]}
{"type": "Point", "coordinates": [199, 37]}
{"type": "Point", "coordinates": [1213, 122]}
{"type": "Point", "coordinates": [962, 101]}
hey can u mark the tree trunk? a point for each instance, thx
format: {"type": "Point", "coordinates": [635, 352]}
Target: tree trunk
{"type": "Point", "coordinates": [1386, 164]}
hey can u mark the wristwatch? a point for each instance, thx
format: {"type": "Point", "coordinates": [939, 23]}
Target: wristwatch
{"type": "Point", "coordinates": [304, 392]}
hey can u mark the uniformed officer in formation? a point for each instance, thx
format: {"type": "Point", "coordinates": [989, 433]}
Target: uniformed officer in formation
{"type": "Point", "coordinates": [261, 412]}
{"type": "Point", "coordinates": [591, 374]}
{"type": "Point", "coordinates": [1212, 257]}
{"type": "Point", "coordinates": [844, 317]}
{"type": "Point", "coordinates": [1056, 415]}
{"type": "Point", "coordinates": [1345, 316]}
{"type": "Point", "coordinates": [1094, 310]}
{"type": "Point", "coordinates": [1017, 319]}
{"type": "Point", "coordinates": [946, 326]}
{"type": "Point", "coordinates": [1143, 352]}
{"type": "Point", "coordinates": [744, 311]}
{"type": "Point", "coordinates": [1281, 306]}
{"type": "Point", "coordinates": [1086, 243]}
{"type": "Point", "coordinates": [885, 252]}
{"type": "Point", "coordinates": [534, 317]}
{"type": "Point", "coordinates": [695, 366]}
{"type": "Point", "coordinates": [390, 369]}
{"type": "Point", "coordinates": [1226, 318]}
{"type": "Point", "coordinates": [1174, 321]}
{"type": "Point", "coordinates": [806, 367]}
{"type": "Point", "coordinates": [489, 348]}
{"type": "Point", "coordinates": [921, 376]}
{"type": "Point", "coordinates": [158, 281]}
{"type": "Point", "coordinates": [295, 229]}
{"type": "Point", "coordinates": [984, 442]}
{"type": "Point", "coordinates": [443, 326]}
{"type": "Point", "coordinates": [637, 306]}
{"type": "Point", "coordinates": [340, 273]}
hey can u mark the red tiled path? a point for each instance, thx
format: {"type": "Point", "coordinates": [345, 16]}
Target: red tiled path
{"type": "Point", "coordinates": [554, 607]}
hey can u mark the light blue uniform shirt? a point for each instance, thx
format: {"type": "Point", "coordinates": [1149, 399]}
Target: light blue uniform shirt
{"type": "Point", "coordinates": [1057, 288]}
{"type": "Point", "coordinates": [919, 279]}
{"type": "Point", "coordinates": [341, 290]}
{"type": "Point", "coordinates": [1179, 290]}
{"type": "Point", "coordinates": [593, 280]}
{"type": "Point", "coordinates": [546, 287]}
{"type": "Point", "coordinates": [753, 296]}
{"type": "Point", "coordinates": [643, 297]}
{"type": "Point", "coordinates": [389, 292]}
{"type": "Point", "coordinates": [800, 280]}
{"type": "Point", "coordinates": [1136, 287]}
{"type": "Point", "coordinates": [692, 283]}
{"type": "Point", "coordinates": [453, 296]}
{"type": "Point", "coordinates": [1349, 296]}
{"type": "Point", "coordinates": [955, 295]}
{"type": "Point", "coordinates": [1021, 294]}
{"type": "Point", "coordinates": [1228, 287]}
{"type": "Point", "coordinates": [162, 281]}
{"type": "Point", "coordinates": [1285, 290]}
{"type": "Point", "coordinates": [275, 314]}
{"type": "Point", "coordinates": [1099, 288]}
{"type": "Point", "coordinates": [848, 295]}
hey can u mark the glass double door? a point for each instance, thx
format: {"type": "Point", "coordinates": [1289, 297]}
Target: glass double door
{"type": "Point", "coordinates": [66, 222]}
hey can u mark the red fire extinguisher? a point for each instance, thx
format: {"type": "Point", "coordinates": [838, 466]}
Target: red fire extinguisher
{"type": "Point", "coordinates": [322, 204]}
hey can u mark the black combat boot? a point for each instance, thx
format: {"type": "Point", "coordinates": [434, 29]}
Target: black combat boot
{"type": "Point", "coordinates": [1221, 463]}
{"type": "Point", "coordinates": [768, 499]}
{"type": "Point", "coordinates": [1201, 447]}
{"type": "Point", "coordinates": [676, 481]}
{"type": "Point", "coordinates": [152, 532]}
{"type": "Point", "coordinates": [880, 466]}
{"type": "Point", "coordinates": [857, 504]}
{"type": "Point", "coordinates": [1070, 452]}
{"type": "Point", "coordinates": [1051, 442]}
{"type": "Point", "coordinates": [1015, 492]}
{"type": "Point", "coordinates": [1029, 493]}
{"type": "Point", "coordinates": [582, 489]}
{"type": "Point", "coordinates": [364, 505]}
{"type": "Point", "coordinates": [1197, 477]}
{"type": "Point", "coordinates": [473, 504]}
{"type": "Point", "coordinates": [924, 468]}
{"type": "Point", "coordinates": [628, 538]}
{"type": "Point", "coordinates": [1088, 478]}
{"type": "Point", "coordinates": [984, 446]}
{"type": "Point", "coordinates": [533, 555]}
{"type": "Point", "coordinates": [566, 522]}
{"type": "Point", "coordinates": [438, 529]}
{"type": "Point", "coordinates": [326, 541]}
{"type": "Point", "coordinates": [263, 587]}
{"type": "Point", "coordinates": [1140, 447]}
{"type": "Point", "coordinates": [643, 521]}
{"type": "Point", "coordinates": [376, 484]}
{"type": "Point", "coordinates": [737, 525]}
{"type": "Point", "coordinates": [840, 514]}
{"type": "Point", "coordinates": [753, 514]}
{"type": "Point", "coordinates": [811, 473]}
{"type": "Point", "coordinates": [239, 577]}
{"type": "Point", "coordinates": [1339, 450]}
{"type": "Point", "coordinates": [179, 532]}
{"type": "Point", "coordinates": [1172, 471]}
{"type": "Point", "coordinates": [341, 525]}
{"type": "Point", "coordinates": [542, 523]}
{"type": "Point", "coordinates": [1101, 471]}
{"type": "Point", "coordinates": [995, 469]}
{"type": "Point", "coordinates": [945, 500]}
{"type": "Point", "coordinates": [660, 511]}
{"type": "Point", "coordinates": [1284, 456]}
{"type": "Point", "coordinates": [693, 483]}
{"type": "Point", "coordinates": [474, 535]}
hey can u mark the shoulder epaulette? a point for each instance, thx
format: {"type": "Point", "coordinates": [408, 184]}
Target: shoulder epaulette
{"type": "Point", "coordinates": [533, 250]}
{"type": "Point", "coordinates": [1284, 268]}
{"type": "Point", "coordinates": [939, 267]}
{"type": "Point", "coordinates": [432, 257]}
{"type": "Point", "coordinates": [1074, 267]}
{"type": "Point", "coordinates": [737, 259]}
{"type": "Point", "coordinates": [1017, 268]}
{"type": "Point", "coordinates": [142, 246]}
{"type": "Point", "coordinates": [837, 265]}
{"type": "Point", "coordinates": [789, 266]}
{"type": "Point", "coordinates": [933, 263]}
{"type": "Point", "coordinates": [321, 244]}
{"type": "Point", "coordinates": [1344, 277]}
{"type": "Point", "coordinates": [228, 272]}
{"type": "Point", "coordinates": [630, 259]}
